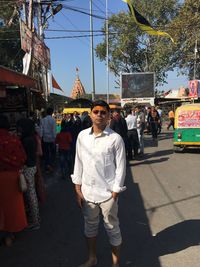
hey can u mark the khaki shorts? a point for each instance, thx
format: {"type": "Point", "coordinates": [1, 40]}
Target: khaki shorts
{"type": "Point", "coordinates": [109, 210]}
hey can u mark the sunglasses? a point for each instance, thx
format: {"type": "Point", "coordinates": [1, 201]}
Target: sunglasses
{"type": "Point", "coordinates": [101, 112]}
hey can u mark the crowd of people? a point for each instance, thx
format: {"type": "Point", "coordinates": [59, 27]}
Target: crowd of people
{"type": "Point", "coordinates": [32, 149]}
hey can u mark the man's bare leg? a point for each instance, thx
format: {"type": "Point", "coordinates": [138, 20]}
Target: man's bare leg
{"type": "Point", "coordinates": [115, 255]}
{"type": "Point", "coordinates": [92, 260]}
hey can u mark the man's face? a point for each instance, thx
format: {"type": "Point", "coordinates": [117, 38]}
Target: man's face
{"type": "Point", "coordinates": [115, 114]}
{"type": "Point", "coordinates": [99, 116]}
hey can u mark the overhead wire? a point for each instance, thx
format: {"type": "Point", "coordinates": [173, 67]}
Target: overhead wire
{"type": "Point", "coordinates": [74, 27]}
{"type": "Point", "coordinates": [96, 16]}
{"type": "Point", "coordinates": [76, 9]}
{"type": "Point", "coordinates": [103, 5]}
{"type": "Point", "coordinates": [75, 36]}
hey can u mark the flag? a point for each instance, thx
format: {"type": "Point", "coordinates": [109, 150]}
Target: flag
{"type": "Point", "coordinates": [55, 84]}
{"type": "Point", "coordinates": [143, 24]}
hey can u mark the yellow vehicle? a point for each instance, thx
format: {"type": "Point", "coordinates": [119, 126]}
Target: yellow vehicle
{"type": "Point", "coordinates": [187, 127]}
{"type": "Point", "coordinates": [72, 110]}
{"type": "Point", "coordinates": [81, 110]}
{"type": "Point", "coordinates": [68, 111]}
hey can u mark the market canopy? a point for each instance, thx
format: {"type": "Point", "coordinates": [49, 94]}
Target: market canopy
{"type": "Point", "coordinates": [11, 77]}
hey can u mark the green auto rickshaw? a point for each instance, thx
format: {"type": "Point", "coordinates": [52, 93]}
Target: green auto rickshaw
{"type": "Point", "coordinates": [187, 127]}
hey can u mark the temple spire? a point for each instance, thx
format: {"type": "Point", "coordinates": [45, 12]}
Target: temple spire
{"type": "Point", "coordinates": [78, 89]}
{"type": "Point", "coordinates": [77, 70]}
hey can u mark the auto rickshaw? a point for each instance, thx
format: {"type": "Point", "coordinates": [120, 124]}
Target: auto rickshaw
{"type": "Point", "coordinates": [187, 127]}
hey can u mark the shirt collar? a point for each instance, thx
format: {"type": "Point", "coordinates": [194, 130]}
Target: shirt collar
{"type": "Point", "coordinates": [106, 131]}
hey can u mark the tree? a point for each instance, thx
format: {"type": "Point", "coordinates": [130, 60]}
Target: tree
{"type": "Point", "coordinates": [10, 47]}
{"type": "Point", "coordinates": [186, 30]}
{"type": "Point", "coordinates": [131, 50]}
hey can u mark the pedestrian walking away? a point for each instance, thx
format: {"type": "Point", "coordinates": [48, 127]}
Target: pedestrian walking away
{"type": "Point", "coordinates": [133, 141]}
{"type": "Point", "coordinates": [140, 127]}
{"type": "Point", "coordinates": [171, 119]}
{"type": "Point", "coordinates": [48, 126]}
{"type": "Point", "coordinates": [98, 187]}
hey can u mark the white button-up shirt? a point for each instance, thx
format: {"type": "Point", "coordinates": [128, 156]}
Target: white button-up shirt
{"type": "Point", "coordinates": [100, 164]}
{"type": "Point", "coordinates": [131, 121]}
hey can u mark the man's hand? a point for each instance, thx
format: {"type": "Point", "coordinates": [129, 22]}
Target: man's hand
{"type": "Point", "coordinates": [115, 195]}
{"type": "Point", "coordinates": [79, 195]}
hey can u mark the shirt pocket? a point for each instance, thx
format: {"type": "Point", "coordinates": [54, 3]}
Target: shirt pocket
{"type": "Point", "coordinates": [108, 158]}
{"type": "Point", "coordinates": [109, 167]}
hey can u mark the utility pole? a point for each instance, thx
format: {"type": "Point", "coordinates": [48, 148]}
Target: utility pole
{"type": "Point", "coordinates": [195, 59]}
{"type": "Point", "coordinates": [41, 36]}
{"type": "Point", "coordinates": [107, 51]}
{"type": "Point", "coordinates": [24, 11]}
{"type": "Point", "coordinates": [30, 15]}
{"type": "Point", "coordinates": [92, 52]}
{"type": "Point", "coordinates": [46, 75]}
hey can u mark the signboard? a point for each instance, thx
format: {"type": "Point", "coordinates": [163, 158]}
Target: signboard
{"type": "Point", "coordinates": [189, 119]}
{"type": "Point", "coordinates": [30, 42]}
{"type": "Point", "coordinates": [137, 85]}
{"type": "Point", "coordinates": [194, 89]}
{"type": "Point", "coordinates": [141, 101]}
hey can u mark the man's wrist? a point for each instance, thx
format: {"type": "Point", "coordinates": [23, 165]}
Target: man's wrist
{"type": "Point", "coordinates": [78, 187]}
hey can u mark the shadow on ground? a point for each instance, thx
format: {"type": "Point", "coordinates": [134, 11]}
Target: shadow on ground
{"type": "Point", "coordinates": [171, 240]}
{"type": "Point", "coordinates": [60, 241]}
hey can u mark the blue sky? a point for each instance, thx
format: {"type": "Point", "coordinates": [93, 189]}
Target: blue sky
{"type": "Point", "coordinates": [67, 54]}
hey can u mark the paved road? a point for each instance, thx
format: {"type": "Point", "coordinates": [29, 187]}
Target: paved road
{"type": "Point", "coordinates": [159, 213]}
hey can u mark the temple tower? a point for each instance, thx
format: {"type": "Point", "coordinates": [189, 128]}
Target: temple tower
{"type": "Point", "coordinates": [78, 89]}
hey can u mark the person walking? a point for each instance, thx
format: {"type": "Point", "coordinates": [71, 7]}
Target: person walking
{"type": "Point", "coordinates": [64, 141]}
{"type": "Point", "coordinates": [12, 158]}
{"type": "Point", "coordinates": [26, 131]}
{"type": "Point", "coordinates": [140, 127]}
{"type": "Point", "coordinates": [171, 119]}
{"type": "Point", "coordinates": [153, 120]}
{"type": "Point", "coordinates": [98, 187]}
{"type": "Point", "coordinates": [133, 141]}
{"type": "Point", "coordinates": [48, 125]}
{"type": "Point", "coordinates": [118, 124]}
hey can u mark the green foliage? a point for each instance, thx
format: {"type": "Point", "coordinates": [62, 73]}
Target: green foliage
{"type": "Point", "coordinates": [131, 50]}
{"type": "Point", "coordinates": [186, 30]}
{"type": "Point", "coordinates": [10, 47]}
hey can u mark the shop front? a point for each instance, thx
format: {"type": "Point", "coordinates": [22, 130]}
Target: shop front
{"type": "Point", "coordinates": [19, 94]}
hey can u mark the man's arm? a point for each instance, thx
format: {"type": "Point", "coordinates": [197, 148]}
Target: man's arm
{"type": "Point", "coordinates": [79, 195]}
{"type": "Point", "coordinates": [120, 171]}
{"type": "Point", "coordinates": [77, 175]}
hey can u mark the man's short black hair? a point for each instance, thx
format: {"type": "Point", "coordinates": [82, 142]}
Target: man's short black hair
{"type": "Point", "coordinates": [49, 111]}
{"type": "Point", "coordinates": [129, 111]}
{"type": "Point", "coordinates": [100, 103]}
{"type": "Point", "coordinates": [116, 110]}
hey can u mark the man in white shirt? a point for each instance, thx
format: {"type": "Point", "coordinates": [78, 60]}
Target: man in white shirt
{"type": "Point", "coordinates": [48, 126]}
{"type": "Point", "coordinates": [99, 173]}
{"type": "Point", "coordinates": [140, 127]}
{"type": "Point", "coordinates": [133, 142]}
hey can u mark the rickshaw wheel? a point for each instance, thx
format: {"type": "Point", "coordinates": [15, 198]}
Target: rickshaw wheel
{"type": "Point", "coordinates": [179, 148]}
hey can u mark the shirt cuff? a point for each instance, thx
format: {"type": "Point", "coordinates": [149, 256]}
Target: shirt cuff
{"type": "Point", "coordinates": [119, 189]}
{"type": "Point", "coordinates": [75, 179]}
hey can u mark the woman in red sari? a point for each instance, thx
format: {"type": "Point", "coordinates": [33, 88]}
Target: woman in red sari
{"type": "Point", "coordinates": [12, 158]}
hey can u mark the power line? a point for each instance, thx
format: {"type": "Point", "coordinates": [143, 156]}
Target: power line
{"type": "Point", "coordinates": [49, 30]}
{"type": "Point", "coordinates": [105, 7]}
{"type": "Point", "coordinates": [74, 36]}
{"type": "Point", "coordinates": [73, 26]}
